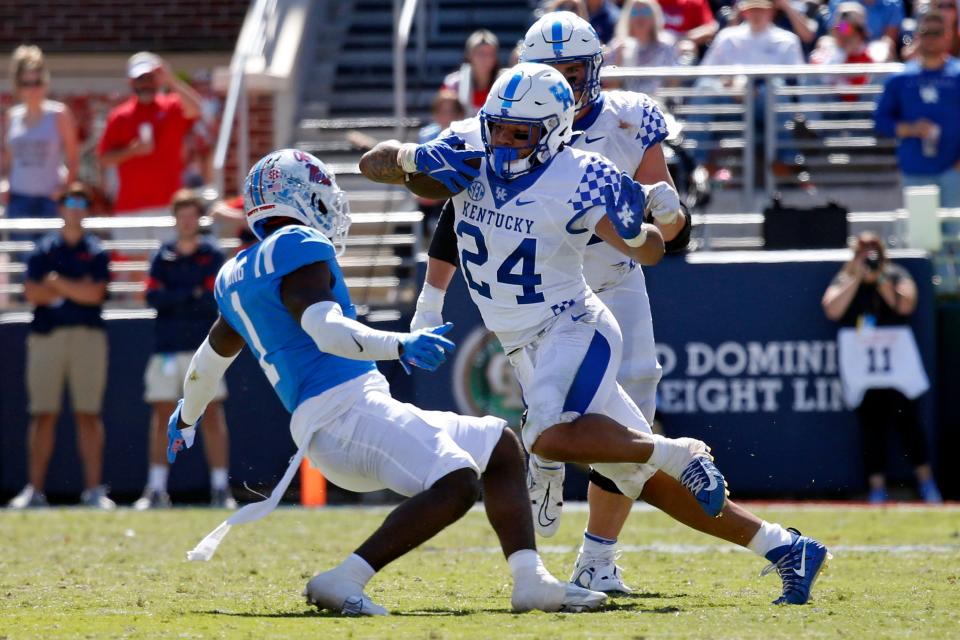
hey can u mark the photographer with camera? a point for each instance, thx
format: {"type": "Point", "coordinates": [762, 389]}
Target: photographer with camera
{"type": "Point", "coordinates": [880, 365]}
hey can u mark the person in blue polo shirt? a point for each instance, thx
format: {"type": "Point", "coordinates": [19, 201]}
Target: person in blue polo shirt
{"type": "Point", "coordinates": [920, 106]}
{"type": "Point", "coordinates": [180, 288]}
{"type": "Point", "coordinates": [66, 282]}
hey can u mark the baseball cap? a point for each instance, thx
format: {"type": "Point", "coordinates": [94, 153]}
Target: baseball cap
{"type": "Point", "coordinates": [141, 63]}
{"type": "Point", "coordinates": [852, 12]}
{"type": "Point", "coordinates": [743, 5]}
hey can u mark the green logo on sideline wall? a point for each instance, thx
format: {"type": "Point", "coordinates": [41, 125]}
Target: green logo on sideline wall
{"type": "Point", "coordinates": [483, 379]}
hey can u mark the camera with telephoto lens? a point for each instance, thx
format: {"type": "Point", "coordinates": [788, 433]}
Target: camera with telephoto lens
{"type": "Point", "coordinates": [872, 261]}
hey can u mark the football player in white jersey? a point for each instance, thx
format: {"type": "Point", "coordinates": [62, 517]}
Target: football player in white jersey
{"type": "Point", "coordinates": [628, 128]}
{"type": "Point", "coordinates": [522, 227]}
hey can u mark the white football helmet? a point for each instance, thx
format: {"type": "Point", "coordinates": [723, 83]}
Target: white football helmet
{"type": "Point", "coordinates": [563, 36]}
{"type": "Point", "coordinates": [290, 183]}
{"type": "Point", "coordinates": [535, 95]}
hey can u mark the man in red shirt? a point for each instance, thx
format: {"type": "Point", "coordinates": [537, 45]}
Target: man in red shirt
{"type": "Point", "coordinates": [143, 139]}
{"type": "Point", "coordinates": [689, 20]}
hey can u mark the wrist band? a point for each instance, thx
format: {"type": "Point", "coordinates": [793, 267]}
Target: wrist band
{"type": "Point", "coordinates": [407, 157]}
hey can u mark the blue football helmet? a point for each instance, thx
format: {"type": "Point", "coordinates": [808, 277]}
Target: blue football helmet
{"type": "Point", "coordinates": [290, 183]}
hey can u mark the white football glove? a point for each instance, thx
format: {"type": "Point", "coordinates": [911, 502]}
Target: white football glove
{"type": "Point", "coordinates": [663, 202]}
{"type": "Point", "coordinates": [429, 311]}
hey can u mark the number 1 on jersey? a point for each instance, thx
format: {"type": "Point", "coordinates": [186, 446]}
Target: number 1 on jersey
{"type": "Point", "coordinates": [525, 255]}
{"type": "Point", "coordinates": [268, 369]}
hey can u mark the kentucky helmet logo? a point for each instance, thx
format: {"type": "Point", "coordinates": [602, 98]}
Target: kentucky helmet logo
{"type": "Point", "coordinates": [561, 91]}
{"type": "Point", "coordinates": [483, 379]}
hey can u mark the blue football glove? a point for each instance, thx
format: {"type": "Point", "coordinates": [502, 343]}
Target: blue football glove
{"type": "Point", "coordinates": [445, 163]}
{"type": "Point", "coordinates": [426, 348]}
{"type": "Point", "coordinates": [179, 439]}
{"type": "Point", "coordinates": [626, 211]}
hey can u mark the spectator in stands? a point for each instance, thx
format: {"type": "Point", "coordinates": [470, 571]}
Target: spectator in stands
{"type": "Point", "coordinates": [919, 106]}
{"type": "Point", "coordinates": [689, 20]}
{"type": "Point", "coordinates": [41, 153]}
{"type": "Point", "coordinates": [949, 10]}
{"type": "Point", "coordinates": [180, 288]}
{"type": "Point", "coordinates": [472, 81]}
{"type": "Point", "coordinates": [846, 44]}
{"type": "Point", "coordinates": [143, 139]}
{"type": "Point", "coordinates": [871, 294]}
{"type": "Point", "coordinates": [603, 16]}
{"type": "Point", "coordinates": [756, 41]}
{"type": "Point", "coordinates": [202, 137]}
{"type": "Point", "coordinates": [444, 109]}
{"type": "Point", "coordinates": [884, 18]}
{"type": "Point", "coordinates": [801, 18]}
{"type": "Point", "coordinates": [641, 42]}
{"type": "Point", "coordinates": [576, 6]}
{"type": "Point", "coordinates": [66, 281]}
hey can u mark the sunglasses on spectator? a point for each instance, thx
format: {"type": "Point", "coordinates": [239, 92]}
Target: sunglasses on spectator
{"type": "Point", "coordinates": [642, 11]}
{"type": "Point", "coordinates": [76, 202]}
{"type": "Point", "coordinates": [30, 82]}
{"type": "Point", "coordinates": [931, 33]}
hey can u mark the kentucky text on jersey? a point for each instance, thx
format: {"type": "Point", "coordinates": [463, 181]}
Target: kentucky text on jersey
{"type": "Point", "coordinates": [496, 219]}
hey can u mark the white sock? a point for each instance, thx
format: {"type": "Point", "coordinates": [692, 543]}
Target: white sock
{"type": "Point", "coordinates": [157, 477]}
{"type": "Point", "coordinates": [544, 464]}
{"type": "Point", "coordinates": [594, 545]}
{"type": "Point", "coordinates": [356, 570]}
{"type": "Point", "coordinates": [669, 455]}
{"type": "Point", "coordinates": [769, 537]}
{"type": "Point", "coordinates": [218, 478]}
{"type": "Point", "coordinates": [525, 564]}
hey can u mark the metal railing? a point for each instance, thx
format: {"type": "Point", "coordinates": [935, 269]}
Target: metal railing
{"type": "Point", "coordinates": [811, 98]}
{"type": "Point", "coordinates": [253, 38]}
{"type": "Point", "coordinates": [403, 14]}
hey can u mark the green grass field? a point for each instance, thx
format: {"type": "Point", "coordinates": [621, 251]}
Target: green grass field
{"type": "Point", "coordinates": [77, 574]}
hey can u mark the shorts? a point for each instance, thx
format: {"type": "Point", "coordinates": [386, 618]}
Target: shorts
{"type": "Point", "coordinates": [381, 443]}
{"type": "Point", "coordinates": [163, 378]}
{"type": "Point", "coordinates": [640, 372]}
{"type": "Point", "coordinates": [573, 367]}
{"type": "Point", "coordinates": [76, 356]}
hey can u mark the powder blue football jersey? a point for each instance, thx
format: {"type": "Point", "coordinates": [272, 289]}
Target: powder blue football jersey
{"type": "Point", "coordinates": [248, 294]}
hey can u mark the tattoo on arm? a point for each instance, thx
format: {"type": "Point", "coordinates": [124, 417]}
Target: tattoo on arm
{"type": "Point", "coordinates": [380, 163]}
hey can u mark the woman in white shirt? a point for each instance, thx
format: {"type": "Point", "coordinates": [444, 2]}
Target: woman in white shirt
{"type": "Point", "coordinates": [41, 153]}
{"type": "Point", "coordinates": [640, 41]}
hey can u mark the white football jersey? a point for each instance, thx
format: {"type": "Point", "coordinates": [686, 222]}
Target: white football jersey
{"type": "Point", "coordinates": [621, 127]}
{"type": "Point", "coordinates": [522, 241]}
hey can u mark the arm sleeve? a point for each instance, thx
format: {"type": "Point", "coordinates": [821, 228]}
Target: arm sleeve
{"type": "Point", "coordinates": [887, 112]}
{"type": "Point", "coordinates": [682, 240]}
{"type": "Point", "coordinates": [443, 245]}
{"type": "Point", "coordinates": [588, 203]}
{"type": "Point", "coordinates": [340, 336]}
{"type": "Point", "coordinates": [651, 122]}
{"type": "Point", "coordinates": [200, 384]}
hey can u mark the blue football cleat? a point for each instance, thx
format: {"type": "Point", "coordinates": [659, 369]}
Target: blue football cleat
{"type": "Point", "coordinates": [702, 478]}
{"type": "Point", "coordinates": [799, 568]}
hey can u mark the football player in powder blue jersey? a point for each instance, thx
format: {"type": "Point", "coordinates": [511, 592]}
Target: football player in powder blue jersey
{"type": "Point", "coordinates": [285, 297]}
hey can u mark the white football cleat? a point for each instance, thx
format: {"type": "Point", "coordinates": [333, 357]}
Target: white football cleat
{"type": "Point", "coordinates": [545, 484]}
{"type": "Point", "coordinates": [327, 591]}
{"type": "Point", "coordinates": [599, 573]}
{"type": "Point", "coordinates": [549, 594]}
